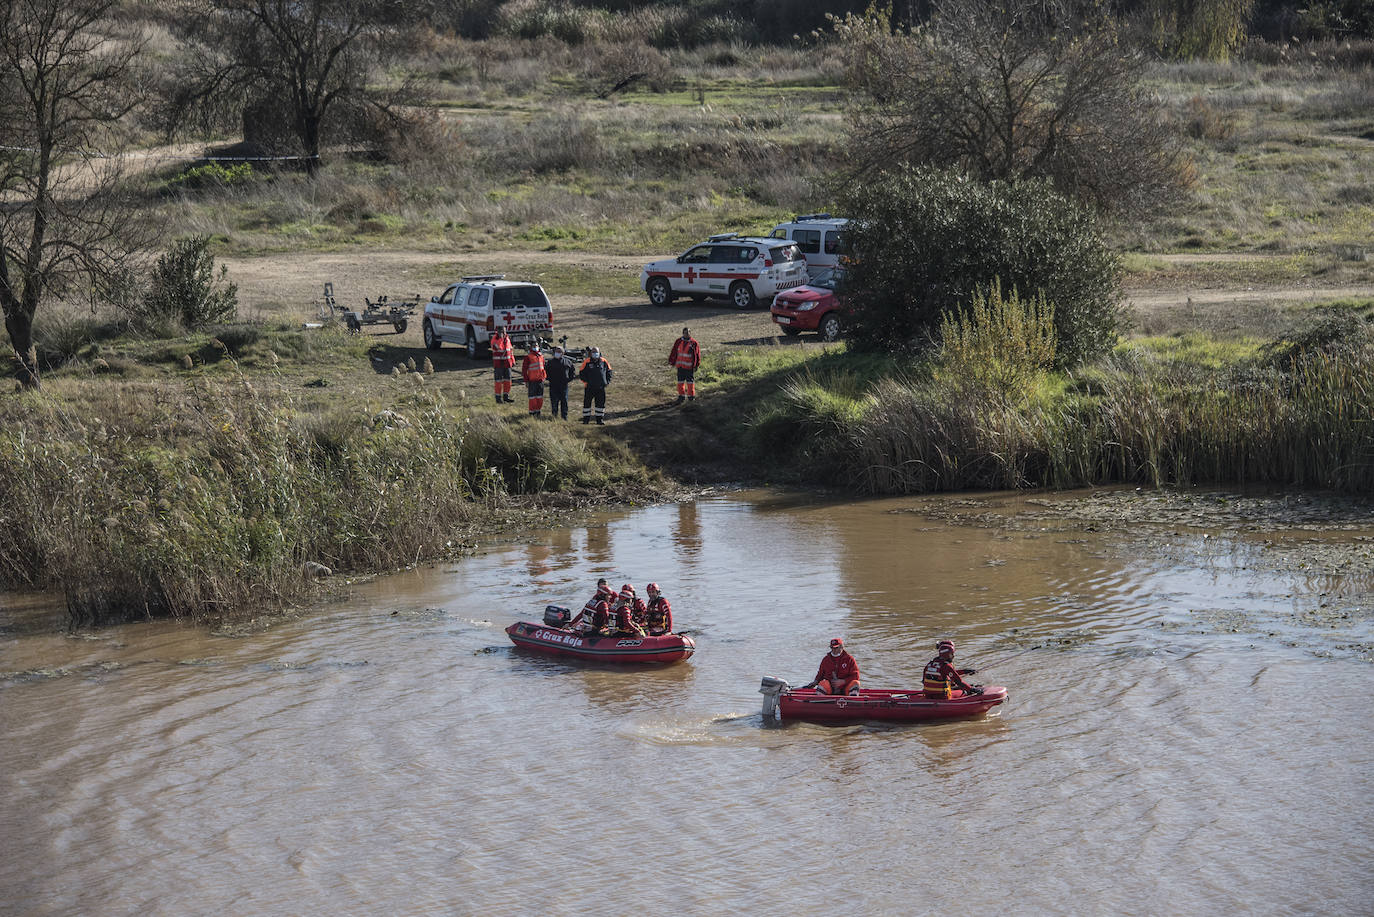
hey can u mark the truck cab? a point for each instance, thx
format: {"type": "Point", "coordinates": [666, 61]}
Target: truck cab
{"type": "Point", "coordinates": [469, 312]}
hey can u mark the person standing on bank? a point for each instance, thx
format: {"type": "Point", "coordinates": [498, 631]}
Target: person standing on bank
{"type": "Point", "coordinates": [561, 371]}
{"type": "Point", "coordinates": [532, 371]}
{"type": "Point", "coordinates": [502, 360]}
{"type": "Point", "coordinates": [595, 375]}
{"type": "Point", "coordinates": [686, 356]}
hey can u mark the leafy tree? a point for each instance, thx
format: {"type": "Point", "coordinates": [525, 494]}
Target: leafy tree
{"type": "Point", "coordinates": [295, 71]}
{"type": "Point", "coordinates": [1004, 89]}
{"type": "Point", "coordinates": [66, 226]}
{"type": "Point", "coordinates": [924, 241]}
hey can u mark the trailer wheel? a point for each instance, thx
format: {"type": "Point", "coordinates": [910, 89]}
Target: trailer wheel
{"type": "Point", "coordinates": [400, 326]}
{"type": "Point", "coordinates": [354, 326]}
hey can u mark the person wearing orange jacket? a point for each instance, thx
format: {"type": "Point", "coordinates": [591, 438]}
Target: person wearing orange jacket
{"type": "Point", "coordinates": [623, 613]}
{"type": "Point", "coordinates": [502, 361]}
{"type": "Point", "coordinates": [658, 614]}
{"type": "Point", "coordinates": [686, 356]}
{"type": "Point", "coordinates": [532, 371]}
{"type": "Point", "coordinates": [839, 673]}
{"type": "Point", "coordinates": [940, 678]}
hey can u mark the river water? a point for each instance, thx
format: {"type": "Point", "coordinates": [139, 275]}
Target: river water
{"type": "Point", "coordinates": [1188, 730]}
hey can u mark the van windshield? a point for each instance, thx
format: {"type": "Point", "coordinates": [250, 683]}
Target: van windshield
{"type": "Point", "coordinates": [522, 297]}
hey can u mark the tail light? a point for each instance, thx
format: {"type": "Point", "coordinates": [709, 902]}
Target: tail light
{"type": "Point", "coordinates": [767, 262]}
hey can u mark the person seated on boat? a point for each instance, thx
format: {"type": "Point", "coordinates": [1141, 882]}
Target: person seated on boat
{"type": "Point", "coordinates": [839, 673]}
{"type": "Point", "coordinates": [658, 614]}
{"type": "Point", "coordinates": [623, 613]}
{"type": "Point", "coordinates": [941, 680]}
{"type": "Point", "coordinates": [595, 616]}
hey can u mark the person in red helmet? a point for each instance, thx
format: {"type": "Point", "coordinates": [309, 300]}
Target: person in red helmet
{"type": "Point", "coordinates": [623, 612]}
{"type": "Point", "coordinates": [595, 616]}
{"type": "Point", "coordinates": [658, 614]}
{"type": "Point", "coordinates": [941, 680]}
{"type": "Point", "coordinates": [839, 673]}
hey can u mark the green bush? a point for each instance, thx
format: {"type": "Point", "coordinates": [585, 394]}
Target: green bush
{"type": "Point", "coordinates": [922, 241]}
{"type": "Point", "coordinates": [184, 289]}
{"type": "Point", "coordinates": [213, 175]}
{"type": "Point", "coordinates": [998, 345]}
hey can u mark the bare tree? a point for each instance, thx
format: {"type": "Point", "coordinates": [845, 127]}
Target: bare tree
{"type": "Point", "coordinates": [295, 71]}
{"type": "Point", "coordinates": [65, 223]}
{"type": "Point", "coordinates": [1003, 89]}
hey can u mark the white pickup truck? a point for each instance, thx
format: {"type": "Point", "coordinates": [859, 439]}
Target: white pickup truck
{"type": "Point", "coordinates": [468, 312]}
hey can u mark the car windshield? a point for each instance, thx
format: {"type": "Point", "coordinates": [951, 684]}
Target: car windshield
{"type": "Point", "coordinates": [828, 279]}
{"type": "Point", "coordinates": [522, 297]}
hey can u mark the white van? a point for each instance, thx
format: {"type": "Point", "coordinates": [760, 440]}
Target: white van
{"type": "Point", "coordinates": [819, 236]}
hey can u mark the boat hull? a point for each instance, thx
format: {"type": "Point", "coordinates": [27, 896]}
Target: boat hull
{"type": "Point", "coordinates": [557, 641]}
{"type": "Point", "coordinates": [884, 706]}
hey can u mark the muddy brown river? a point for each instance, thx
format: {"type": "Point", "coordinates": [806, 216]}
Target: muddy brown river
{"type": "Point", "coordinates": [1188, 730]}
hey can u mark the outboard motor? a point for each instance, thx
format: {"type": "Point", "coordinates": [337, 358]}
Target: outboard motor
{"type": "Point", "coordinates": [556, 616]}
{"type": "Point", "coordinates": [771, 689]}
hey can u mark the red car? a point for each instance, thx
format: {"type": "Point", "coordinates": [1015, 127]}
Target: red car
{"type": "Point", "coordinates": [812, 307]}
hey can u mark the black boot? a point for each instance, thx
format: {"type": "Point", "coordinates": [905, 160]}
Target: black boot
{"type": "Point", "coordinates": [680, 399]}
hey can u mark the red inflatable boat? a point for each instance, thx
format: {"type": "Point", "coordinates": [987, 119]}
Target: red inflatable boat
{"type": "Point", "coordinates": [782, 700]}
{"type": "Point", "coordinates": [559, 641]}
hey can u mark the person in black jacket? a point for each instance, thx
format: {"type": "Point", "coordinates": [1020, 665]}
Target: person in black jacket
{"type": "Point", "coordinates": [561, 371]}
{"type": "Point", "coordinates": [595, 375]}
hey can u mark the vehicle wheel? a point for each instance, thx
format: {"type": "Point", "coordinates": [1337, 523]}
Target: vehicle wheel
{"type": "Point", "coordinates": [660, 293]}
{"type": "Point", "coordinates": [400, 326]}
{"type": "Point", "coordinates": [742, 295]}
{"type": "Point", "coordinates": [830, 327]}
{"type": "Point", "coordinates": [472, 344]}
{"type": "Point", "coordinates": [432, 340]}
{"type": "Point", "coordinates": [354, 326]}
{"type": "Point", "coordinates": [790, 331]}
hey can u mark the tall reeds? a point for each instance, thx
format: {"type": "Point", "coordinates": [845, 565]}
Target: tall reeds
{"type": "Point", "coordinates": [207, 505]}
{"type": "Point", "coordinates": [1309, 423]}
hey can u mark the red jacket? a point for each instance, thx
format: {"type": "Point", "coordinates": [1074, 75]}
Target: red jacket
{"type": "Point", "coordinates": [502, 353]}
{"type": "Point", "coordinates": [840, 668]}
{"type": "Point", "coordinates": [532, 367]}
{"type": "Point", "coordinates": [686, 354]}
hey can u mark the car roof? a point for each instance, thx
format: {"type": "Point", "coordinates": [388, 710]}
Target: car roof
{"type": "Point", "coordinates": [757, 240]}
{"type": "Point", "coordinates": [493, 280]}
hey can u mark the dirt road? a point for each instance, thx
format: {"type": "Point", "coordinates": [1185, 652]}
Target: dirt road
{"type": "Point", "coordinates": [636, 336]}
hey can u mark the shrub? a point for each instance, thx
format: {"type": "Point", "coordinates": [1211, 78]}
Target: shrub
{"type": "Point", "coordinates": [998, 345]}
{"type": "Point", "coordinates": [213, 175]}
{"type": "Point", "coordinates": [923, 241]}
{"type": "Point", "coordinates": [184, 288]}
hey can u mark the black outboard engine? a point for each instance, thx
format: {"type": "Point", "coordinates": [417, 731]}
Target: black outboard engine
{"type": "Point", "coordinates": [556, 616]}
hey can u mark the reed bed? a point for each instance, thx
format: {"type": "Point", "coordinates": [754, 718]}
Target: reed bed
{"type": "Point", "coordinates": [215, 502]}
{"type": "Point", "coordinates": [1138, 421]}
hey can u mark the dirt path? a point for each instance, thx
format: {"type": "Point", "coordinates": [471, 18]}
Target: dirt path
{"type": "Point", "coordinates": [635, 336]}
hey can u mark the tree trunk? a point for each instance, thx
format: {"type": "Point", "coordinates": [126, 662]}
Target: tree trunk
{"type": "Point", "coordinates": [20, 327]}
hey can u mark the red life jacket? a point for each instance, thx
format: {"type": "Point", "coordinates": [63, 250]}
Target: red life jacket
{"type": "Point", "coordinates": [935, 680]}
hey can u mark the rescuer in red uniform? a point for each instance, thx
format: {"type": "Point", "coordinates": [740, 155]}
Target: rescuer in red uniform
{"type": "Point", "coordinates": [839, 673]}
{"type": "Point", "coordinates": [658, 614]}
{"type": "Point", "coordinates": [595, 616]}
{"type": "Point", "coordinates": [502, 360]}
{"type": "Point", "coordinates": [624, 613]}
{"type": "Point", "coordinates": [941, 680]}
{"type": "Point", "coordinates": [686, 356]}
{"type": "Point", "coordinates": [532, 371]}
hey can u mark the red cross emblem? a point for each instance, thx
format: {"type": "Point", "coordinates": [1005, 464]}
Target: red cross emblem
{"type": "Point", "coordinates": [691, 274]}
